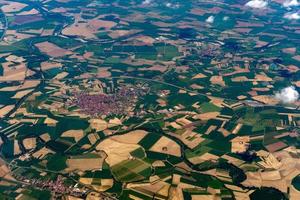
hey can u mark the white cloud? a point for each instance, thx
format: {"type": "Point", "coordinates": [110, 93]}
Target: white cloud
{"type": "Point", "coordinates": [225, 18]}
{"type": "Point", "coordinates": [290, 3]}
{"type": "Point", "coordinates": [257, 4]}
{"type": "Point", "coordinates": [287, 95]}
{"type": "Point", "coordinates": [146, 2]}
{"type": "Point", "coordinates": [292, 16]}
{"type": "Point", "coordinates": [171, 5]}
{"type": "Point", "coordinates": [210, 19]}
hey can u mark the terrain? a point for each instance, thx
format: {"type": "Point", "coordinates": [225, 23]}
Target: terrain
{"type": "Point", "coordinates": [148, 99]}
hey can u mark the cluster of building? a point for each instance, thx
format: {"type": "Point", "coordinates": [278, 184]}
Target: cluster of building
{"type": "Point", "coordinates": [104, 104]}
{"type": "Point", "coordinates": [57, 187]}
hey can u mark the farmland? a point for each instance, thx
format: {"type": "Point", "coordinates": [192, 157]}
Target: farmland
{"type": "Point", "coordinates": [148, 99]}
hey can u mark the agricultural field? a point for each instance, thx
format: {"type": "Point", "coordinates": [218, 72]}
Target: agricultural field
{"type": "Point", "coordinates": [149, 99]}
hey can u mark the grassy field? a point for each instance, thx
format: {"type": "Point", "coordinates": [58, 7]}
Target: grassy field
{"type": "Point", "coordinates": [209, 107]}
{"type": "Point", "coordinates": [131, 170]}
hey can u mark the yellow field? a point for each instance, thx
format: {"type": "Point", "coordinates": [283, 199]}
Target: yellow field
{"type": "Point", "coordinates": [166, 146]}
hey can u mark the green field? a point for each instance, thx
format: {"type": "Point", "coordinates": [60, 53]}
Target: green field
{"type": "Point", "coordinates": [131, 170]}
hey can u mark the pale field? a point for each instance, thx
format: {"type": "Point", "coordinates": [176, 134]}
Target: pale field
{"type": "Point", "coordinates": [29, 143]}
{"type": "Point", "coordinates": [237, 128]}
{"type": "Point", "coordinates": [79, 29]}
{"type": "Point", "coordinates": [294, 193]}
{"type": "Point", "coordinates": [52, 50]}
{"type": "Point", "coordinates": [183, 121]}
{"type": "Point", "coordinates": [12, 36]}
{"type": "Point", "coordinates": [217, 101]}
{"type": "Point", "coordinates": [34, 31]}
{"type": "Point", "coordinates": [297, 58]}
{"type": "Point", "coordinates": [103, 72]}
{"type": "Point", "coordinates": [59, 10]}
{"type": "Point", "coordinates": [164, 191]}
{"type": "Point", "coordinates": [108, 182]}
{"type": "Point", "coordinates": [224, 132]}
{"type": "Point", "coordinates": [133, 137]}
{"type": "Point", "coordinates": [30, 12]}
{"type": "Point", "coordinates": [105, 183]}
{"type": "Point", "coordinates": [242, 30]}
{"type": "Point", "coordinates": [175, 193]}
{"type": "Point", "coordinates": [210, 129]}
{"type": "Point", "coordinates": [154, 187]}
{"type": "Point", "coordinates": [182, 69]}
{"type": "Point", "coordinates": [40, 154]}
{"type": "Point", "coordinates": [30, 84]}
{"type": "Point", "coordinates": [87, 28]}
{"type": "Point", "coordinates": [21, 94]}
{"type": "Point", "coordinates": [270, 175]}
{"type": "Point", "coordinates": [234, 161]}
{"type": "Point", "coordinates": [69, 197]}
{"type": "Point", "coordinates": [240, 79]}
{"type": "Point", "coordinates": [217, 80]}
{"type": "Point", "coordinates": [145, 39]}
{"type": "Point", "coordinates": [76, 134]}
{"type": "Point", "coordinates": [266, 179]}
{"type": "Point", "coordinates": [198, 11]}
{"type": "Point", "coordinates": [86, 181]}
{"type": "Point", "coordinates": [237, 70]}
{"type": "Point", "coordinates": [93, 196]}
{"type": "Point", "coordinates": [159, 68]}
{"type": "Point", "coordinates": [206, 116]}
{"type": "Point", "coordinates": [185, 138]}
{"type": "Point", "coordinates": [240, 144]}
{"type": "Point", "coordinates": [15, 73]}
{"type": "Point", "coordinates": [158, 163]}
{"type": "Point", "coordinates": [162, 24]}
{"type": "Point", "coordinates": [88, 55]}
{"type": "Point", "coordinates": [262, 89]}
{"type": "Point", "coordinates": [121, 33]}
{"type": "Point", "coordinates": [196, 86]}
{"type": "Point", "coordinates": [203, 197]}
{"type": "Point", "coordinates": [161, 102]}
{"type": "Point", "coordinates": [292, 68]}
{"type": "Point", "coordinates": [183, 166]}
{"type": "Point", "coordinates": [235, 188]}
{"type": "Point", "coordinates": [114, 122]}
{"type": "Point", "coordinates": [50, 121]}
{"type": "Point", "coordinates": [176, 179]}
{"type": "Point", "coordinates": [135, 17]}
{"type": "Point", "coordinates": [138, 62]}
{"type": "Point", "coordinates": [32, 121]}
{"type": "Point", "coordinates": [47, 32]}
{"type": "Point", "coordinates": [199, 76]}
{"type": "Point", "coordinates": [3, 168]}
{"type": "Point", "coordinates": [50, 65]}
{"type": "Point", "coordinates": [93, 138]}
{"type": "Point", "coordinates": [5, 110]}
{"type": "Point", "coordinates": [116, 151]}
{"type": "Point", "coordinates": [276, 146]}
{"type": "Point", "coordinates": [266, 99]}
{"type": "Point", "coordinates": [260, 43]}
{"type": "Point", "coordinates": [262, 77]}
{"type": "Point", "coordinates": [61, 75]}
{"type": "Point", "coordinates": [181, 91]}
{"type": "Point", "coordinates": [17, 149]}
{"type": "Point", "coordinates": [46, 137]}
{"type": "Point", "coordinates": [166, 146]}
{"type": "Point", "coordinates": [12, 6]}
{"type": "Point", "coordinates": [206, 156]}
{"type": "Point", "coordinates": [98, 124]}
{"type": "Point", "coordinates": [86, 146]}
{"type": "Point", "coordinates": [291, 50]}
{"type": "Point", "coordinates": [84, 164]}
